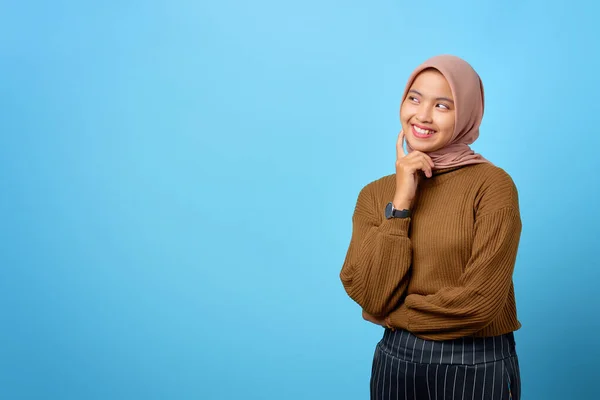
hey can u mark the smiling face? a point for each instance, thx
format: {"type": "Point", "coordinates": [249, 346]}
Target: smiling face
{"type": "Point", "coordinates": [428, 112]}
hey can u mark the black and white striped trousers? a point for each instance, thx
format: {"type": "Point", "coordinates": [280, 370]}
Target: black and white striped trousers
{"type": "Point", "coordinates": [407, 367]}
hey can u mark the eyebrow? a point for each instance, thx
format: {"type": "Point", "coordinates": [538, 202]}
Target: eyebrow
{"type": "Point", "coordinates": [439, 98]}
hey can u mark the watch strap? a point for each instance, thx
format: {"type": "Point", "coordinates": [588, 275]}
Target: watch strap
{"type": "Point", "coordinates": [401, 213]}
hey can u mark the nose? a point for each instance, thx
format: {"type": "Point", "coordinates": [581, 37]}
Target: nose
{"type": "Point", "coordinates": [424, 113]}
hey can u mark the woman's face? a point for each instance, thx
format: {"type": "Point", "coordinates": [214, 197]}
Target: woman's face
{"type": "Point", "coordinates": [428, 113]}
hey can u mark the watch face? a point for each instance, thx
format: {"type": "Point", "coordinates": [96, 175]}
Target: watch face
{"type": "Point", "coordinates": [388, 210]}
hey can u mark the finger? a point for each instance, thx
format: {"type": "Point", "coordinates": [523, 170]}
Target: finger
{"type": "Point", "coordinates": [400, 145]}
{"type": "Point", "coordinates": [427, 166]}
{"type": "Point", "coordinates": [428, 160]}
{"type": "Point", "coordinates": [427, 170]}
{"type": "Point", "coordinates": [422, 164]}
{"type": "Point", "coordinates": [419, 154]}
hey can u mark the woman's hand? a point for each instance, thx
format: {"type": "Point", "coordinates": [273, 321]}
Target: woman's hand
{"type": "Point", "coordinates": [370, 318]}
{"type": "Point", "coordinates": [407, 178]}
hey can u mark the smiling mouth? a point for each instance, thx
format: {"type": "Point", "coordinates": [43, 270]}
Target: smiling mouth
{"type": "Point", "coordinates": [422, 133]}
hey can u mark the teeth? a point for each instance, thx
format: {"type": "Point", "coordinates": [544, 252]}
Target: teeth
{"type": "Point", "coordinates": [423, 131]}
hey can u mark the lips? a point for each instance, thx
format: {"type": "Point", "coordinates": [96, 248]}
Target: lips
{"type": "Point", "coordinates": [422, 132]}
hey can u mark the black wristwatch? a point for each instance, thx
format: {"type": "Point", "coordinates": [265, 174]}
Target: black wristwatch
{"type": "Point", "coordinates": [391, 212]}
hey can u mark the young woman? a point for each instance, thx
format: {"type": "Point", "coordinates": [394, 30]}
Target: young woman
{"type": "Point", "coordinates": [433, 250]}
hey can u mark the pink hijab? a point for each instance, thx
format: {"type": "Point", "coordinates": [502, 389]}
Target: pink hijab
{"type": "Point", "coordinates": [467, 90]}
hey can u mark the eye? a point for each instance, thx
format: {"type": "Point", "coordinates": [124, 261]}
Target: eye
{"type": "Point", "coordinates": [443, 106]}
{"type": "Point", "coordinates": [413, 99]}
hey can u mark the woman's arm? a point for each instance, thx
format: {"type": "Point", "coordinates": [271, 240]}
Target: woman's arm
{"type": "Point", "coordinates": [483, 287]}
{"type": "Point", "coordinates": [376, 267]}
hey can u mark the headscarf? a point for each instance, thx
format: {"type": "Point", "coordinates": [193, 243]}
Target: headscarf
{"type": "Point", "coordinates": [467, 90]}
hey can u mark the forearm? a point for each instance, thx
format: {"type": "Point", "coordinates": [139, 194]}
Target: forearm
{"type": "Point", "coordinates": [481, 292]}
{"type": "Point", "coordinates": [425, 315]}
{"type": "Point", "coordinates": [376, 270]}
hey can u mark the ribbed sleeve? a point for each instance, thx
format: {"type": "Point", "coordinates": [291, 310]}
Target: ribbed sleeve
{"type": "Point", "coordinates": [482, 290]}
{"type": "Point", "coordinates": [375, 271]}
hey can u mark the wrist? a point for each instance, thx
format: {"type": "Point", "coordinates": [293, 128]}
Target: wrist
{"type": "Point", "coordinates": [401, 203]}
{"type": "Point", "coordinates": [393, 212]}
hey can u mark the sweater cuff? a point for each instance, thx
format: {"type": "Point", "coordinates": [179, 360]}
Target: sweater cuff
{"type": "Point", "coordinates": [395, 226]}
{"type": "Point", "coordinates": [399, 318]}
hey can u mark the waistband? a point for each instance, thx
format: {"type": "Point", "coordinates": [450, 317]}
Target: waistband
{"type": "Point", "coordinates": [462, 351]}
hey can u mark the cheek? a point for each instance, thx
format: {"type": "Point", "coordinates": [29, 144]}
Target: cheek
{"type": "Point", "coordinates": [405, 112]}
{"type": "Point", "coordinates": [402, 113]}
{"type": "Point", "coordinates": [446, 123]}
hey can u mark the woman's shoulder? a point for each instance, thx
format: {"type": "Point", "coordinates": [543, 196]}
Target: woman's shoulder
{"type": "Point", "coordinates": [372, 195]}
{"type": "Point", "coordinates": [496, 187]}
{"type": "Point", "coordinates": [380, 185]}
{"type": "Point", "coordinates": [489, 175]}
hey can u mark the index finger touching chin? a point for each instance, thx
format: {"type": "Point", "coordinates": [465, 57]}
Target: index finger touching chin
{"type": "Point", "coordinates": [400, 144]}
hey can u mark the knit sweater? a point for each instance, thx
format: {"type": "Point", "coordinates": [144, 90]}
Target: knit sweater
{"type": "Point", "coordinates": [446, 272]}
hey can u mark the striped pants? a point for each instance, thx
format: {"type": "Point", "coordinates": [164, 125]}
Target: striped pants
{"type": "Point", "coordinates": [407, 367]}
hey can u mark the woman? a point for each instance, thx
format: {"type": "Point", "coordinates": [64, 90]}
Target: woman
{"type": "Point", "coordinates": [433, 250]}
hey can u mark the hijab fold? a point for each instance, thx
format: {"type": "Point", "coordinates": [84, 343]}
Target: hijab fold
{"type": "Point", "coordinates": [467, 90]}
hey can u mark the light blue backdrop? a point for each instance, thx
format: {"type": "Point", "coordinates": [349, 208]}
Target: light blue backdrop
{"type": "Point", "coordinates": [177, 180]}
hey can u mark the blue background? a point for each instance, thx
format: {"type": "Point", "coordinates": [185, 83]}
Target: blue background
{"type": "Point", "coordinates": [177, 180]}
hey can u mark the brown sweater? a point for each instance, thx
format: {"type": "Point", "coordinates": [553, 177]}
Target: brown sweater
{"type": "Point", "coordinates": [446, 272]}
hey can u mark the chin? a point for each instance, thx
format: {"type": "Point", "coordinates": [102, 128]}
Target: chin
{"type": "Point", "coordinates": [418, 145]}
